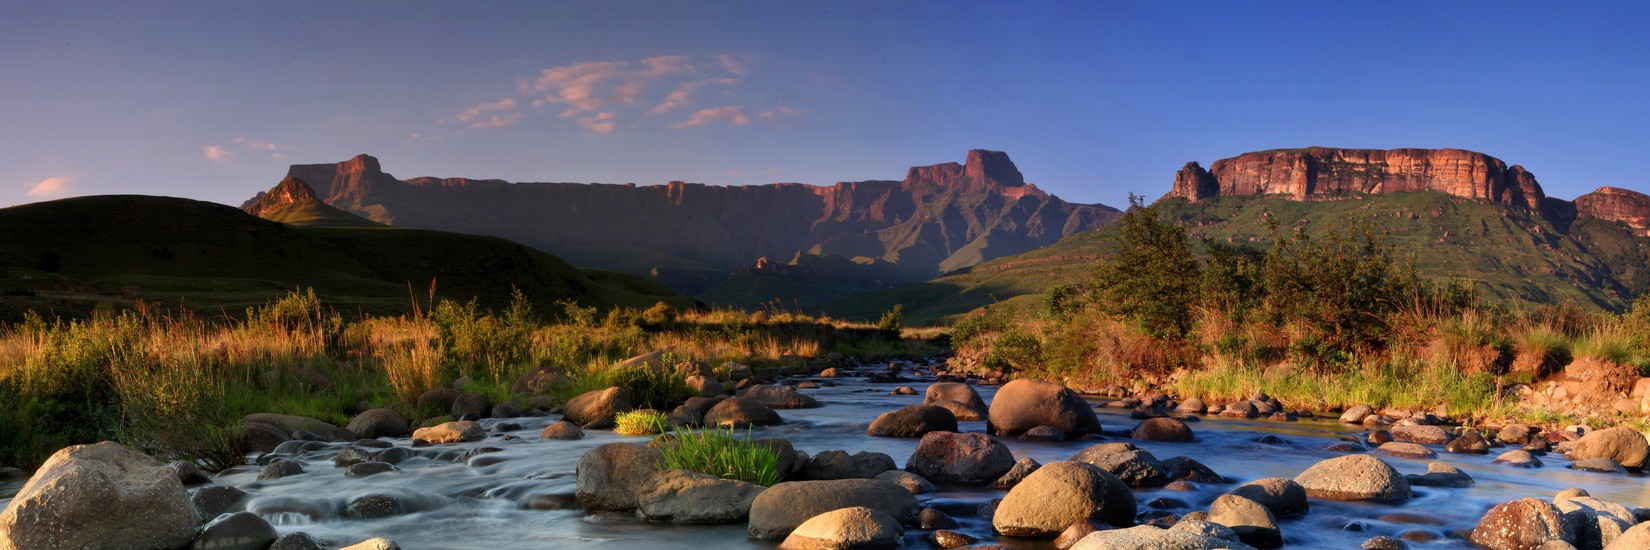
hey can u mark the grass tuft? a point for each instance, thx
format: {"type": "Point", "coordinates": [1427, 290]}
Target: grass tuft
{"type": "Point", "coordinates": [719, 452]}
{"type": "Point", "coordinates": [641, 422]}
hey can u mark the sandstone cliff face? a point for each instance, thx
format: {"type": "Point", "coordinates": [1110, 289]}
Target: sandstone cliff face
{"type": "Point", "coordinates": [1620, 205]}
{"type": "Point", "coordinates": [939, 217]}
{"type": "Point", "coordinates": [1323, 171]}
{"type": "Point", "coordinates": [289, 192]}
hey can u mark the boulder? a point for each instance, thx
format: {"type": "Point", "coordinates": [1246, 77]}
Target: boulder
{"type": "Point", "coordinates": [1163, 429]}
{"type": "Point", "coordinates": [1182, 468]}
{"type": "Point", "coordinates": [562, 430]}
{"type": "Point", "coordinates": [457, 431]}
{"type": "Point", "coordinates": [1283, 497]}
{"type": "Point", "coordinates": [1636, 538]}
{"type": "Point", "coordinates": [1518, 458]}
{"type": "Point", "coordinates": [1469, 443]}
{"type": "Point", "coordinates": [841, 465]}
{"type": "Point", "coordinates": [741, 411]}
{"type": "Point", "coordinates": [1134, 466]}
{"type": "Point", "coordinates": [964, 458]}
{"type": "Point", "coordinates": [1043, 433]}
{"type": "Point", "coordinates": [1060, 494]}
{"type": "Point", "coordinates": [1417, 433]}
{"type": "Point", "coordinates": [1598, 522]}
{"type": "Point", "coordinates": [439, 400]}
{"type": "Point", "coordinates": [779, 397]}
{"type": "Point", "coordinates": [540, 381]}
{"type": "Point", "coordinates": [1252, 521]}
{"type": "Point", "coordinates": [279, 468]}
{"type": "Point", "coordinates": [260, 437]}
{"type": "Point", "coordinates": [237, 531]}
{"type": "Point", "coordinates": [216, 500]}
{"type": "Point", "coordinates": [1522, 524]}
{"type": "Point", "coordinates": [99, 496]}
{"type": "Point", "coordinates": [963, 413]}
{"type": "Point", "coordinates": [953, 391]}
{"type": "Point", "coordinates": [297, 541]}
{"type": "Point", "coordinates": [1024, 404]}
{"type": "Point", "coordinates": [1021, 469]}
{"type": "Point", "coordinates": [704, 385]}
{"type": "Point", "coordinates": [780, 509]}
{"type": "Point", "coordinates": [1356, 414]}
{"type": "Point", "coordinates": [1405, 450]}
{"type": "Point", "coordinates": [291, 424]}
{"type": "Point", "coordinates": [681, 496]}
{"type": "Point", "coordinates": [596, 405]}
{"type": "Point", "coordinates": [1621, 444]}
{"type": "Point", "coordinates": [373, 544]}
{"type": "Point", "coordinates": [1515, 434]}
{"type": "Point", "coordinates": [911, 482]}
{"type": "Point", "coordinates": [376, 423]}
{"type": "Point", "coordinates": [855, 527]}
{"type": "Point", "coordinates": [1146, 537]}
{"type": "Point", "coordinates": [913, 421]}
{"type": "Point", "coordinates": [472, 406]}
{"type": "Point", "coordinates": [1441, 475]}
{"type": "Point", "coordinates": [1600, 465]}
{"type": "Point", "coordinates": [613, 476]}
{"type": "Point", "coordinates": [1192, 405]}
{"type": "Point", "coordinates": [1354, 477]}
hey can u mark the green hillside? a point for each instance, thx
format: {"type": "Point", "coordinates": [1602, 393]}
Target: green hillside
{"type": "Point", "coordinates": [314, 213]}
{"type": "Point", "coordinates": [74, 255]}
{"type": "Point", "coordinates": [1510, 255]}
{"type": "Point", "coordinates": [806, 283]}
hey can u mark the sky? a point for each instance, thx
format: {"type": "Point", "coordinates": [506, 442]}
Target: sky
{"type": "Point", "coordinates": [1093, 100]}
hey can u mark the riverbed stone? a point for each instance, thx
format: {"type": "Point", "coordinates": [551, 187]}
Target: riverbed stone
{"type": "Point", "coordinates": [1417, 433]}
{"type": "Point", "coordinates": [1059, 494]}
{"type": "Point", "coordinates": [741, 411]}
{"type": "Point", "coordinates": [373, 544]}
{"type": "Point", "coordinates": [911, 482]}
{"type": "Point", "coordinates": [1018, 472]}
{"type": "Point", "coordinates": [1598, 522]}
{"type": "Point", "coordinates": [681, 496]}
{"type": "Point", "coordinates": [1518, 458]}
{"type": "Point", "coordinates": [962, 458]}
{"type": "Point", "coordinates": [1283, 497]}
{"type": "Point", "coordinates": [1146, 537]}
{"type": "Point", "coordinates": [912, 421]}
{"type": "Point", "coordinates": [88, 496]}
{"type": "Point", "coordinates": [780, 509]}
{"type": "Point", "coordinates": [457, 431]}
{"type": "Point", "coordinates": [279, 468]}
{"type": "Point", "coordinates": [562, 430]}
{"type": "Point", "coordinates": [612, 477]}
{"type": "Point", "coordinates": [237, 531]}
{"type": "Point", "coordinates": [1191, 405]}
{"type": "Point", "coordinates": [297, 541]}
{"type": "Point", "coordinates": [1441, 475]}
{"type": "Point", "coordinates": [953, 391]}
{"type": "Point", "coordinates": [1356, 414]}
{"type": "Point", "coordinates": [779, 397]}
{"type": "Point", "coordinates": [374, 506]}
{"type": "Point", "coordinates": [1181, 468]}
{"type": "Point", "coordinates": [215, 500]}
{"type": "Point", "coordinates": [1164, 430]}
{"type": "Point", "coordinates": [929, 519]}
{"type": "Point", "coordinates": [1405, 450]}
{"type": "Point", "coordinates": [951, 539]}
{"type": "Point", "coordinates": [1469, 443]}
{"type": "Point", "coordinates": [472, 406]}
{"type": "Point", "coordinates": [1354, 477]}
{"type": "Point", "coordinates": [1027, 403]}
{"type": "Point", "coordinates": [1252, 521]}
{"type": "Point", "coordinates": [1636, 538]}
{"type": "Point", "coordinates": [1522, 524]}
{"type": "Point", "coordinates": [596, 405]}
{"type": "Point", "coordinates": [1624, 445]}
{"type": "Point", "coordinates": [1599, 465]}
{"type": "Point", "coordinates": [962, 412]}
{"type": "Point", "coordinates": [853, 527]}
{"type": "Point", "coordinates": [375, 423]}
{"type": "Point", "coordinates": [1043, 433]}
{"type": "Point", "coordinates": [1515, 434]}
{"type": "Point", "coordinates": [1133, 465]}
{"type": "Point", "coordinates": [1384, 543]}
{"type": "Point", "coordinates": [841, 465]}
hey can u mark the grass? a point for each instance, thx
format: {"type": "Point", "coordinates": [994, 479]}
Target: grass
{"type": "Point", "coordinates": [640, 422]}
{"type": "Point", "coordinates": [723, 454]}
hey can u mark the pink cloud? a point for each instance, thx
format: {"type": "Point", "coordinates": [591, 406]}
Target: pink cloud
{"type": "Point", "coordinates": [495, 121]}
{"type": "Point", "coordinates": [732, 114]}
{"type": "Point", "coordinates": [218, 154]}
{"type": "Point", "coordinates": [732, 65]}
{"type": "Point", "coordinates": [478, 110]}
{"type": "Point", "coordinates": [50, 187]}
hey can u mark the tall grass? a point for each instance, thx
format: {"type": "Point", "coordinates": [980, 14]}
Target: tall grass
{"type": "Point", "coordinates": [639, 422]}
{"type": "Point", "coordinates": [722, 453]}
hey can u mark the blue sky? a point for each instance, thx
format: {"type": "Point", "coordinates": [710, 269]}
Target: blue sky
{"type": "Point", "coordinates": [1092, 100]}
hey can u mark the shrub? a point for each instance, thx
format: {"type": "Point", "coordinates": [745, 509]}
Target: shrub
{"type": "Point", "coordinates": [720, 453]}
{"type": "Point", "coordinates": [1152, 279]}
{"type": "Point", "coordinates": [892, 321]}
{"type": "Point", "coordinates": [642, 422]}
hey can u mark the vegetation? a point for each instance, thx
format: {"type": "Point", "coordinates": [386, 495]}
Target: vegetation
{"type": "Point", "coordinates": [639, 422]}
{"type": "Point", "coordinates": [721, 453]}
{"type": "Point", "coordinates": [178, 384]}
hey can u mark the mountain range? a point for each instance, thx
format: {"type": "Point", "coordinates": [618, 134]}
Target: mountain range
{"type": "Point", "coordinates": [693, 237]}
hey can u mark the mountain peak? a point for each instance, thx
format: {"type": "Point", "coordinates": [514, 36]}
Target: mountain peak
{"type": "Point", "coordinates": [289, 192]}
{"type": "Point", "coordinates": [983, 171]}
{"type": "Point", "coordinates": [993, 166]}
{"type": "Point", "coordinates": [293, 202]}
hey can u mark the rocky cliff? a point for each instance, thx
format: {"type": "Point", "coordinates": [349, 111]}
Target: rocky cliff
{"type": "Point", "coordinates": [1327, 172]}
{"type": "Point", "coordinates": [293, 202]}
{"type": "Point", "coordinates": [690, 235]}
{"type": "Point", "coordinates": [1618, 205]}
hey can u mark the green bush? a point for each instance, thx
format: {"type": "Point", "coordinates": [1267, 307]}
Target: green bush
{"type": "Point", "coordinates": [720, 453]}
{"type": "Point", "coordinates": [1152, 279]}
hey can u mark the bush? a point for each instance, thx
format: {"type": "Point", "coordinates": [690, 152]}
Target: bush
{"type": "Point", "coordinates": [720, 453]}
{"type": "Point", "coordinates": [892, 321]}
{"type": "Point", "coordinates": [643, 422]}
{"type": "Point", "coordinates": [1152, 279]}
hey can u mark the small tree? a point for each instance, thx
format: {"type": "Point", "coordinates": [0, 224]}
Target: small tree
{"type": "Point", "coordinates": [1152, 279]}
{"type": "Point", "coordinates": [892, 321]}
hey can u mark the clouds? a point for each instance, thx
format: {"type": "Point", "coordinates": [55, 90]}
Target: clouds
{"type": "Point", "coordinates": [222, 154]}
{"type": "Point", "coordinates": [218, 154]}
{"type": "Point", "coordinates": [50, 187]}
{"type": "Point", "coordinates": [601, 97]}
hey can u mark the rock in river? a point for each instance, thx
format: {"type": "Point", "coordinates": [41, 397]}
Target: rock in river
{"type": "Point", "coordinates": [780, 509]}
{"type": "Point", "coordinates": [1026, 403]}
{"type": "Point", "coordinates": [966, 458]}
{"type": "Point", "coordinates": [92, 496]}
{"type": "Point", "coordinates": [1354, 477]}
{"type": "Point", "coordinates": [1060, 494]}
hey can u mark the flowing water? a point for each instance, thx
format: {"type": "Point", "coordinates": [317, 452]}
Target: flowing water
{"type": "Point", "coordinates": [485, 503]}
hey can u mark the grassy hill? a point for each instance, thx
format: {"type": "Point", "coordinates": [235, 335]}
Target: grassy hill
{"type": "Point", "coordinates": [75, 255]}
{"type": "Point", "coordinates": [1510, 256]}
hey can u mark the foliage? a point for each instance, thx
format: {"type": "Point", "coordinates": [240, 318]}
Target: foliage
{"type": "Point", "coordinates": [721, 453]}
{"type": "Point", "coordinates": [891, 322]}
{"type": "Point", "coordinates": [639, 422]}
{"type": "Point", "coordinates": [1151, 279]}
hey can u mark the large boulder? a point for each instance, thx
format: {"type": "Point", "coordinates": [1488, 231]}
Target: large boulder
{"type": "Point", "coordinates": [1133, 465]}
{"type": "Point", "coordinates": [376, 423]}
{"type": "Point", "coordinates": [457, 431]}
{"type": "Point", "coordinates": [780, 509]}
{"type": "Point", "coordinates": [1354, 477]}
{"type": "Point", "coordinates": [597, 405]}
{"type": "Point", "coordinates": [1283, 497]}
{"type": "Point", "coordinates": [1060, 494]}
{"type": "Point", "coordinates": [965, 458]}
{"type": "Point", "coordinates": [291, 424]}
{"type": "Point", "coordinates": [439, 400]}
{"type": "Point", "coordinates": [1597, 522]}
{"type": "Point", "coordinates": [104, 495]}
{"type": "Point", "coordinates": [1146, 537]}
{"type": "Point", "coordinates": [1636, 538]}
{"type": "Point", "coordinates": [953, 391]}
{"type": "Point", "coordinates": [1252, 521]}
{"type": "Point", "coordinates": [1621, 444]}
{"type": "Point", "coordinates": [1356, 414]}
{"type": "Point", "coordinates": [472, 406]}
{"type": "Point", "coordinates": [913, 421]}
{"type": "Point", "coordinates": [962, 412]}
{"type": "Point", "coordinates": [855, 527]}
{"type": "Point", "coordinates": [612, 477]}
{"type": "Point", "coordinates": [237, 531]}
{"type": "Point", "coordinates": [741, 411]}
{"type": "Point", "coordinates": [1417, 433]}
{"type": "Point", "coordinates": [681, 496]}
{"type": "Point", "coordinates": [841, 465]}
{"type": "Point", "coordinates": [1026, 403]}
{"type": "Point", "coordinates": [779, 397]}
{"type": "Point", "coordinates": [1163, 429]}
{"type": "Point", "coordinates": [1523, 524]}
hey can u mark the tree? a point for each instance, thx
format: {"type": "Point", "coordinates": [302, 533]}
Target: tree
{"type": "Point", "coordinates": [1152, 280]}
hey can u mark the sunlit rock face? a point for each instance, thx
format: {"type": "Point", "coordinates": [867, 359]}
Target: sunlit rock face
{"type": "Point", "coordinates": [1328, 172]}
{"type": "Point", "coordinates": [1619, 205]}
